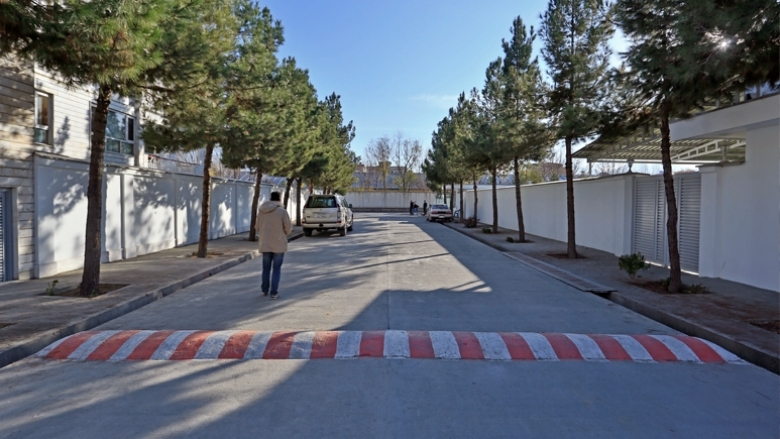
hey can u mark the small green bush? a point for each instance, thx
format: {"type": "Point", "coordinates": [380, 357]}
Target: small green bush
{"type": "Point", "coordinates": [632, 263]}
{"type": "Point", "coordinates": [696, 289]}
{"type": "Point", "coordinates": [486, 230]}
{"type": "Point", "coordinates": [52, 288]}
{"type": "Point", "coordinates": [510, 239]}
{"type": "Point", "coordinates": [471, 222]}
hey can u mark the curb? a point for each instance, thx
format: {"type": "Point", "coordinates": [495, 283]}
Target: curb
{"type": "Point", "coordinates": [746, 351]}
{"type": "Point", "coordinates": [552, 271]}
{"type": "Point", "coordinates": [36, 343]}
{"type": "Point", "coordinates": [477, 238]}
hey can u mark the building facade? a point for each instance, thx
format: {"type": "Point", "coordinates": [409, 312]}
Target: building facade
{"type": "Point", "coordinates": [150, 203]}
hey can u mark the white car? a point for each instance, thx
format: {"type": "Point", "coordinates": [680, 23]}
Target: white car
{"type": "Point", "coordinates": [439, 212]}
{"type": "Point", "coordinates": [327, 212]}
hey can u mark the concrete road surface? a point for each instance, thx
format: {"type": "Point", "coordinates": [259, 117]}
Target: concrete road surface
{"type": "Point", "coordinates": [400, 273]}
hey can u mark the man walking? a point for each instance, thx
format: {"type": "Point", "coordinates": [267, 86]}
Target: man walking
{"type": "Point", "coordinates": [425, 207]}
{"type": "Point", "coordinates": [273, 225]}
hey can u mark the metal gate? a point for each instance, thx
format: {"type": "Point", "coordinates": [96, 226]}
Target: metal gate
{"type": "Point", "coordinates": [4, 235]}
{"type": "Point", "coordinates": [649, 227]}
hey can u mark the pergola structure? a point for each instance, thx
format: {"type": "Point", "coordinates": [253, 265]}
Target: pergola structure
{"type": "Point", "coordinates": [645, 147]}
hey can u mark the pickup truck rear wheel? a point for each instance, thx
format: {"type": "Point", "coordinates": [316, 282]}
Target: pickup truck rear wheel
{"type": "Point", "coordinates": [343, 231]}
{"type": "Point", "coordinates": [307, 232]}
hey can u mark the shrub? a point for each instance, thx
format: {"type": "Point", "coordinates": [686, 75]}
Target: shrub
{"type": "Point", "coordinates": [52, 288]}
{"type": "Point", "coordinates": [696, 289]}
{"type": "Point", "coordinates": [510, 239]}
{"type": "Point", "coordinates": [471, 222]}
{"type": "Point", "coordinates": [632, 263]}
{"type": "Point", "coordinates": [486, 230]}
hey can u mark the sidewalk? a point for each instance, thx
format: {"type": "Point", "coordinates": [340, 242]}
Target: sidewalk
{"type": "Point", "coordinates": [723, 315]}
{"type": "Point", "coordinates": [36, 319]}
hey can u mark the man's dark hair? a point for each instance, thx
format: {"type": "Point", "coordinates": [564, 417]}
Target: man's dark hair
{"type": "Point", "coordinates": [276, 196]}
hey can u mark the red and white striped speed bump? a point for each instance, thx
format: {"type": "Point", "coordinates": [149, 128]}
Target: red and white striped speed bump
{"type": "Point", "coordinates": [269, 345]}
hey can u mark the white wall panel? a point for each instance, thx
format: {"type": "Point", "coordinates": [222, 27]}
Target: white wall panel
{"type": "Point", "coordinates": [387, 199]}
{"type": "Point", "coordinates": [61, 210]}
{"type": "Point", "coordinates": [740, 215]}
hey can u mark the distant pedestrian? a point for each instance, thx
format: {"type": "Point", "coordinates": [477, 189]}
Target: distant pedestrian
{"type": "Point", "coordinates": [411, 207]}
{"type": "Point", "coordinates": [425, 207]}
{"type": "Point", "coordinates": [273, 225]}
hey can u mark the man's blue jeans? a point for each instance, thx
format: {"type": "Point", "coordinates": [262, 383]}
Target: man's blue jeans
{"type": "Point", "coordinates": [276, 259]}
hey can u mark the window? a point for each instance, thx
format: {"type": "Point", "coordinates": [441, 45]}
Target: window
{"type": "Point", "coordinates": [43, 116]}
{"type": "Point", "coordinates": [120, 132]}
{"type": "Point", "coordinates": [321, 201]}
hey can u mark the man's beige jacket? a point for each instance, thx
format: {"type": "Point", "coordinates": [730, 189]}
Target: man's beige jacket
{"type": "Point", "coordinates": [273, 226]}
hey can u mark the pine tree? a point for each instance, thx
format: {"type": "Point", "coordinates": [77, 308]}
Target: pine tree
{"type": "Point", "coordinates": [520, 123]}
{"type": "Point", "coordinates": [575, 34]}
{"type": "Point", "coordinates": [684, 54]}
{"type": "Point", "coordinates": [121, 47]}
{"type": "Point", "coordinates": [339, 174]}
{"type": "Point", "coordinates": [211, 115]}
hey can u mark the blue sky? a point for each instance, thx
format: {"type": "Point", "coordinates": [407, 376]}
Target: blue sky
{"type": "Point", "coordinates": [398, 65]}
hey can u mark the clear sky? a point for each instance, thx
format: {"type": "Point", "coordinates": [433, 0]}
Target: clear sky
{"type": "Point", "coordinates": [398, 65]}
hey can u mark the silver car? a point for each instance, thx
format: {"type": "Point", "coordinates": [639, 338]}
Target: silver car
{"type": "Point", "coordinates": [327, 212]}
{"type": "Point", "coordinates": [439, 212]}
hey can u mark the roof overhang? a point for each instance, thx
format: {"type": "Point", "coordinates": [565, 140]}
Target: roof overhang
{"type": "Point", "coordinates": [712, 137]}
{"type": "Point", "coordinates": [645, 147]}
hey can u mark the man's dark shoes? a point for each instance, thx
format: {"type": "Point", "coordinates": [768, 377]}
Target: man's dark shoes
{"type": "Point", "coordinates": [274, 296]}
{"type": "Point", "coordinates": [265, 293]}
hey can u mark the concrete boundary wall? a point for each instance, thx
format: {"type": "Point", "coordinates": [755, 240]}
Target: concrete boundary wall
{"type": "Point", "coordinates": [739, 233]}
{"type": "Point", "coordinates": [388, 199]}
{"type": "Point", "coordinates": [602, 207]}
{"type": "Point", "coordinates": [145, 211]}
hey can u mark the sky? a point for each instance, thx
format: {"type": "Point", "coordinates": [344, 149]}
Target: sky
{"type": "Point", "coordinates": [397, 65]}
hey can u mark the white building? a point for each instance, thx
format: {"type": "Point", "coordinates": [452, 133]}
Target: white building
{"type": "Point", "coordinates": [44, 153]}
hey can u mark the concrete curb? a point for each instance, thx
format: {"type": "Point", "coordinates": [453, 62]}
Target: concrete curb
{"type": "Point", "coordinates": [746, 351]}
{"type": "Point", "coordinates": [38, 342]}
{"type": "Point", "coordinates": [554, 272]}
{"type": "Point", "coordinates": [476, 237]}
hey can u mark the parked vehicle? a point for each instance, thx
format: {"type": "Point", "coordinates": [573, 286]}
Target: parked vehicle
{"type": "Point", "coordinates": [439, 212]}
{"type": "Point", "coordinates": [327, 212]}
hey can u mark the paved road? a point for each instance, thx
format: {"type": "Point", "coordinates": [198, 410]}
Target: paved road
{"type": "Point", "coordinates": [393, 273]}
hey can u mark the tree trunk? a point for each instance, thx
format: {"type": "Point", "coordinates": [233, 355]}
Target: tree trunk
{"type": "Point", "coordinates": [571, 249]}
{"type": "Point", "coordinates": [255, 203]}
{"type": "Point", "coordinates": [675, 275]}
{"type": "Point", "coordinates": [90, 277]}
{"type": "Point", "coordinates": [287, 193]}
{"type": "Point", "coordinates": [311, 187]}
{"type": "Point", "coordinates": [205, 207]}
{"type": "Point", "coordinates": [475, 200]}
{"type": "Point", "coordinates": [494, 172]}
{"type": "Point", "coordinates": [452, 195]}
{"type": "Point", "coordinates": [519, 203]}
{"type": "Point", "coordinates": [461, 202]}
{"type": "Point", "coordinates": [444, 191]}
{"type": "Point", "coordinates": [298, 183]}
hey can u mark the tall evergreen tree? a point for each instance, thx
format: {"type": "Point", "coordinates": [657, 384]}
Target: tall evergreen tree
{"type": "Point", "coordinates": [521, 124]}
{"type": "Point", "coordinates": [121, 47]}
{"type": "Point", "coordinates": [211, 115]}
{"type": "Point", "coordinates": [492, 149]}
{"type": "Point", "coordinates": [683, 54]}
{"type": "Point", "coordinates": [339, 175]}
{"type": "Point", "coordinates": [575, 34]}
